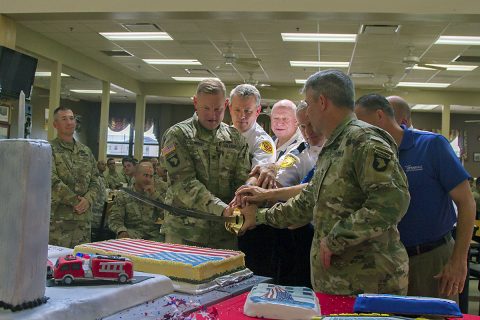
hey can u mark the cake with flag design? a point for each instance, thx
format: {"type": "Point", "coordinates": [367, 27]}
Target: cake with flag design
{"type": "Point", "coordinates": [281, 302]}
{"type": "Point", "coordinates": [179, 262]}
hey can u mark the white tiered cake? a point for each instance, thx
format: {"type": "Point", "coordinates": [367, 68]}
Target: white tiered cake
{"type": "Point", "coordinates": [24, 220]}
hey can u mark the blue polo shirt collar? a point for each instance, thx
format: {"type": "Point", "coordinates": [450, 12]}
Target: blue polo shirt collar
{"type": "Point", "coordinates": [408, 140]}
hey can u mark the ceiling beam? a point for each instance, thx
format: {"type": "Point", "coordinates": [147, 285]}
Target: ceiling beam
{"type": "Point", "coordinates": [40, 45]}
{"type": "Point", "coordinates": [365, 6]}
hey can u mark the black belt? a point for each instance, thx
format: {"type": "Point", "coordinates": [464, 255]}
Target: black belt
{"type": "Point", "coordinates": [429, 246]}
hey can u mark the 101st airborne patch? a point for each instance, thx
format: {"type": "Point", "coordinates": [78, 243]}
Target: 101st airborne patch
{"type": "Point", "coordinates": [266, 146]}
{"type": "Point", "coordinates": [288, 161]}
{"type": "Point", "coordinates": [381, 158]}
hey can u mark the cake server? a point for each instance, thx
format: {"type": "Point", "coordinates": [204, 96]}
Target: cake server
{"type": "Point", "coordinates": [233, 224]}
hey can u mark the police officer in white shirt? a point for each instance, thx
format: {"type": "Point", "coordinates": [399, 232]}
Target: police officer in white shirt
{"type": "Point", "coordinates": [295, 165]}
{"type": "Point", "coordinates": [244, 106]}
{"type": "Point", "coordinates": [244, 109]}
{"type": "Point", "coordinates": [284, 126]}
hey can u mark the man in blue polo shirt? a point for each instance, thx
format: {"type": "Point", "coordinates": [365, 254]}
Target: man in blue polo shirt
{"type": "Point", "coordinates": [438, 265]}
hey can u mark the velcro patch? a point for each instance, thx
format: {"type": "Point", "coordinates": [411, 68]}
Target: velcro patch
{"type": "Point", "coordinates": [168, 149]}
{"type": "Point", "coordinates": [266, 146]}
{"type": "Point", "coordinates": [288, 161]}
{"type": "Point", "coordinates": [381, 158]}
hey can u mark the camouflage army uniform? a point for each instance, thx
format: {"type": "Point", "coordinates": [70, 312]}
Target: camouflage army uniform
{"type": "Point", "coordinates": [205, 168]}
{"type": "Point", "coordinates": [97, 208]}
{"type": "Point", "coordinates": [114, 180]}
{"type": "Point", "coordinates": [74, 173]}
{"type": "Point", "coordinates": [140, 220]}
{"type": "Point", "coordinates": [357, 196]}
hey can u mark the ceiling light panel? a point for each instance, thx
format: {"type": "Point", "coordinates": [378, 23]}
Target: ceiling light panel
{"type": "Point", "coordinates": [423, 84]}
{"type": "Point", "coordinates": [192, 79]}
{"type": "Point", "coordinates": [173, 61]}
{"type": "Point", "coordinates": [449, 67]}
{"type": "Point", "coordinates": [331, 64]}
{"type": "Point", "coordinates": [424, 106]}
{"type": "Point", "coordinates": [136, 36]}
{"type": "Point", "coordinates": [300, 81]}
{"type": "Point", "coordinates": [318, 37]}
{"type": "Point", "coordinates": [459, 40]}
{"type": "Point", "coordinates": [90, 91]}
{"type": "Point", "coordinates": [48, 74]}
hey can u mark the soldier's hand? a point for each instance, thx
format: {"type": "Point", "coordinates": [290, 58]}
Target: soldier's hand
{"type": "Point", "coordinates": [252, 195]}
{"type": "Point", "coordinates": [123, 234]}
{"type": "Point", "coordinates": [266, 175]}
{"type": "Point", "coordinates": [82, 206]}
{"type": "Point", "coordinates": [249, 216]}
{"type": "Point", "coordinates": [228, 211]}
{"type": "Point", "coordinates": [325, 254]}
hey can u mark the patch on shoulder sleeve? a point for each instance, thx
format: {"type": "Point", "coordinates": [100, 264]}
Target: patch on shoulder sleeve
{"type": "Point", "coordinates": [288, 161]}
{"type": "Point", "coordinates": [168, 149]}
{"type": "Point", "coordinates": [266, 146]}
{"type": "Point", "coordinates": [381, 158]}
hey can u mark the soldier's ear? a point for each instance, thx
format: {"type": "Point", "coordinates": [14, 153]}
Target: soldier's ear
{"type": "Point", "coordinates": [195, 102]}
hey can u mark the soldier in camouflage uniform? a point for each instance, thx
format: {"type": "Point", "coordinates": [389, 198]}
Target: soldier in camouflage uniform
{"type": "Point", "coordinates": [206, 161]}
{"type": "Point", "coordinates": [357, 196]}
{"type": "Point", "coordinates": [131, 218]}
{"type": "Point", "coordinates": [75, 186]}
{"type": "Point", "coordinates": [113, 178]}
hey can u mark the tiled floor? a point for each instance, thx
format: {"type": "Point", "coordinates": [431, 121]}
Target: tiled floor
{"type": "Point", "coordinates": [474, 298]}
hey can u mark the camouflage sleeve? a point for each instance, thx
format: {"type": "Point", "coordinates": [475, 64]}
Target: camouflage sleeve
{"type": "Point", "coordinates": [243, 166]}
{"type": "Point", "coordinates": [116, 219]}
{"type": "Point", "coordinates": [382, 181]}
{"type": "Point", "coordinates": [297, 210]}
{"type": "Point", "coordinates": [187, 190]}
{"type": "Point", "coordinates": [94, 188]}
{"type": "Point", "coordinates": [61, 193]}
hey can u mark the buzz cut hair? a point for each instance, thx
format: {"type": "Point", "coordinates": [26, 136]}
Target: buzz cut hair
{"type": "Point", "coordinates": [373, 102]}
{"type": "Point", "coordinates": [285, 103]}
{"type": "Point", "coordinates": [61, 108]}
{"type": "Point", "coordinates": [333, 85]}
{"type": "Point", "coordinates": [244, 91]}
{"type": "Point", "coordinates": [211, 86]}
{"type": "Point", "coordinates": [302, 105]}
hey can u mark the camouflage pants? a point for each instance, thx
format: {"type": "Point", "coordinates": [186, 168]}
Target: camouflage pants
{"type": "Point", "coordinates": [69, 233]}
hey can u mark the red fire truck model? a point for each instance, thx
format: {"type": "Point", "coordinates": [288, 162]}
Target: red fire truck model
{"type": "Point", "coordinates": [92, 267]}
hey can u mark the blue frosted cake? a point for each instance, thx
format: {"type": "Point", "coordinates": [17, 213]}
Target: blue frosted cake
{"type": "Point", "coordinates": [281, 302]}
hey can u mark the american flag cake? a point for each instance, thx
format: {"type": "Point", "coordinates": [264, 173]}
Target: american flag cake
{"type": "Point", "coordinates": [179, 262]}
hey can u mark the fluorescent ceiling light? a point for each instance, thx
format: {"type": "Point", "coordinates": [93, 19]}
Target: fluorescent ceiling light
{"type": "Point", "coordinates": [424, 106]}
{"type": "Point", "coordinates": [449, 67]}
{"type": "Point", "coordinates": [423, 84]}
{"type": "Point", "coordinates": [459, 40]}
{"type": "Point", "coordinates": [118, 88]}
{"type": "Point", "coordinates": [136, 36]}
{"type": "Point", "coordinates": [173, 61]}
{"type": "Point", "coordinates": [193, 79]}
{"type": "Point", "coordinates": [300, 81]}
{"type": "Point", "coordinates": [90, 91]}
{"type": "Point", "coordinates": [331, 64]}
{"type": "Point", "coordinates": [319, 37]}
{"type": "Point", "coordinates": [48, 74]}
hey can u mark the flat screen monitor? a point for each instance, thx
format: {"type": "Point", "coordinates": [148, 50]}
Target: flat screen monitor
{"type": "Point", "coordinates": [17, 72]}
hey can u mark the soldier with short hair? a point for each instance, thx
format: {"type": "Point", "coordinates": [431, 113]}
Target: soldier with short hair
{"type": "Point", "coordinates": [206, 161]}
{"type": "Point", "coordinates": [75, 185]}
{"type": "Point", "coordinates": [113, 179]}
{"type": "Point", "coordinates": [131, 218]}
{"type": "Point", "coordinates": [356, 198]}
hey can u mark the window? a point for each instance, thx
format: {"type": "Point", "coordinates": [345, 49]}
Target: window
{"type": "Point", "coordinates": [76, 266]}
{"type": "Point", "coordinates": [64, 267]}
{"type": "Point", "coordinates": [150, 144]}
{"type": "Point", "coordinates": [118, 143]}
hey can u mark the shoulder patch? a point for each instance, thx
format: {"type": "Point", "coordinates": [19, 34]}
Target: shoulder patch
{"type": "Point", "coordinates": [381, 158]}
{"type": "Point", "coordinates": [288, 161]}
{"type": "Point", "coordinates": [266, 146]}
{"type": "Point", "coordinates": [168, 149]}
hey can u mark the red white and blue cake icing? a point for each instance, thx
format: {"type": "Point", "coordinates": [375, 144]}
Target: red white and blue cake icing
{"type": "Point", "coordinates": [180, 262]}
{"type": "Point", "coordinates": [281, 302]}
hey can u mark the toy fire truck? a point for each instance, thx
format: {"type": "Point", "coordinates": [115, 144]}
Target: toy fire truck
{"type": "Point", "coordinates": [92, 267]}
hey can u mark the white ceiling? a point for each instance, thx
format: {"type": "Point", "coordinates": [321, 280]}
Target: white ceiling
{"type": "Point", "coordinates": [207, 36]}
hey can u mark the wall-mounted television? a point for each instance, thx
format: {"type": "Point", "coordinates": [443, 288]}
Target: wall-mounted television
{"type": "Point", "coordinates": [17, 72]}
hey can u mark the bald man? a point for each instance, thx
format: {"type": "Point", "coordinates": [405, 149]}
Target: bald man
{"type": "Point", "coordinates": [403, 115]}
